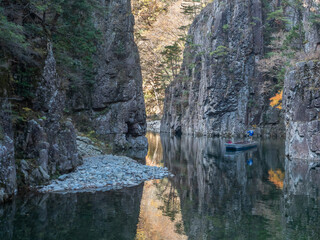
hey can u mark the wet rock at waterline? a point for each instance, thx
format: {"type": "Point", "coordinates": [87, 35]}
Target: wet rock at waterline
{"type": "Point", "coordinates": [105, 173]}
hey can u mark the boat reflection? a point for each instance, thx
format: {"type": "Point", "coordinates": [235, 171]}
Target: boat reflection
{"type": "Point", "coordinates": [251, 194]}
{"type": "Point", "coordinates": [256, 194]}
{"type": "Point", "coordinates": [221, 195]}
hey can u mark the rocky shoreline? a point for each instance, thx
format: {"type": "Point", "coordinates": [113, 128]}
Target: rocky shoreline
{"type": "Point", "coordinates": [104, 173]}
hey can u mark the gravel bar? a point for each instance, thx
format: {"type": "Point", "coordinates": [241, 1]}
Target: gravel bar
{"type": "Point", "coordinates": [103, 173]}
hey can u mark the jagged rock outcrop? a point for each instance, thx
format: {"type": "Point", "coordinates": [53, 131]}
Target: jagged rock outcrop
{"type": "Point", "coordinates": [47, 145]}
{"type": "Point", "coordinates": [302, 105]}
{"type": "Point", "coordinates": [7, 162]}
{"type": "Point", "coordinates": [114, 107]}
{"type": "Point", "coordinates": [219, 90]}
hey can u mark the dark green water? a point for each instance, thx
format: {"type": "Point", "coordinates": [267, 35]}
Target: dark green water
{"type": "Point", "coordinates": [256, 194]}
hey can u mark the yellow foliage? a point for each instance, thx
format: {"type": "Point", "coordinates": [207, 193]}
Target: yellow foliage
{"type": "Point", "coordinates": [26, 109]}
{"type": "Point", "coordinates": [276, 177]}
{"type": "Point", "coordinates": [276, 101]}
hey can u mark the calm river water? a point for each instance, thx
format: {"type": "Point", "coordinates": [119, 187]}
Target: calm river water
{"type": "Point", "coordinates": [256, 194]}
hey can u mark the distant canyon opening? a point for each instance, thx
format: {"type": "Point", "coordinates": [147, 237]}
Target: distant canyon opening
{"type": "Point", "coordinates": [161, 30]}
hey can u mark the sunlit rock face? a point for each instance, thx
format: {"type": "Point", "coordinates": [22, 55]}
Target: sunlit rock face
{"type": "Point", "coordinates": [114, 107]}
{"type": "Point", "coordinates": [219, 90]}
{"type": "Point", "coordinates": [7, 161]}
{"type": "Point", "coordinates": [302, 105]}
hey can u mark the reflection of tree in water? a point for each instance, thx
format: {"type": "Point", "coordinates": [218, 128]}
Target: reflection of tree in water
{"type": "Point", "coordinates": [167, 194]}
{"type": "Point", "coordinates": [276, 177]}
{"type": "Point", "coordinates": [154, 156]}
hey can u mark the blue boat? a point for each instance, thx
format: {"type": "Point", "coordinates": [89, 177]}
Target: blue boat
{"type": "Point", "coordinates": [240, 146]}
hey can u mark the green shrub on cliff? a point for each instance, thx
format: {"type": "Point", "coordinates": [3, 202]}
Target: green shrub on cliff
{"type": "Point", "coordinates": [25, 27]}
{"type": "Point", "coordinates": [12, 38]}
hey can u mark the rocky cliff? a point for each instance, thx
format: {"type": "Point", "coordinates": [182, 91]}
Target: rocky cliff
{"type": "Point", "coordinates": [302, 111]}
{"type": "Point", "coordinates": [52, 95]}
{"type": "Point", "coordinates": [221, 90]}
{"type": "Point", "coordinates": [46, 145]}
{"type": "Point", "coordinates": [7, 162]}
{"type": "Point", "coordinates": [114, 106]}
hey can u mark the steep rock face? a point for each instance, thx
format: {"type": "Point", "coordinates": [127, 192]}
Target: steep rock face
{"type": "Point", "coordinates": [302, 117]}
{"type": "Point", "coordinates": [219, 91]}
{"type": "Point", "coordinates": [114, 106]}
{"type": "Point", "coordinates": [312, 37]}
{"type": "Point", "coordinates": [48, 144]}
{"type": "Point", "coordinates": [7, 161]}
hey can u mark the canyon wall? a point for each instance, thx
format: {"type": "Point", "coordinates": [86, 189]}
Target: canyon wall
{"type": "Point", "coordinates": [221, 90]}
{"type": "Point", "coordinates": [7, 162]}
{"type": "Point", "coordinates": [46, 145]}
{"type": "Point", "coordinates": [302, 111]}
{"type": "Point", "coordinates": [46, 102]}
{"type": "Point", "coordinates": [114, 106]}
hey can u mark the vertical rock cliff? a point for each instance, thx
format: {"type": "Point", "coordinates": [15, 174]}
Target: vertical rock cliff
{"type": "Point", "coordinates": [54, 91]}
{"type": "Point", "coordinates": [220, 91]}
{"type": "Point", "coordinates": [114, 106]}
{"type": "Point", "coordinates": [7, 162]}
{"type": "Point", "coordinates": [302, 105]}
{"type": "Point", "coordinates": [47, 145]}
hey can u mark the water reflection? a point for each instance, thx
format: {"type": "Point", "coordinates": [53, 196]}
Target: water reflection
{"type": "Point", "coordinates": [255, 194]}
{"type": "Point", "coordinates": [111, 215]}
{"type": "Point", "coordinates": [221, 195]}
{"type": "Point", "coordinates": [160, 214]}
{"type": "Point", "coordinates": [301, 200]}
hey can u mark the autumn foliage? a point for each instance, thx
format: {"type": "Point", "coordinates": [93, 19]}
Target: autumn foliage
{"type": "Point", "coordinates": [276, 101]}
{"type": "Point", "coordinates": [276, 177]}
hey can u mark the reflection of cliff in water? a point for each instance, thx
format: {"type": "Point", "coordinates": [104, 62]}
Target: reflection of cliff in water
{"type": "Point", "coordinates": [301, 200]}
{"type": "Point", "coordinates": [111, 215]}
{"type": "Point", "coordinates": [221, 194]}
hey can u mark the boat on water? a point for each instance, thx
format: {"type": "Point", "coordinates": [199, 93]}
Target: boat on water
{"type": "Point", "coordinates": [240, 146]}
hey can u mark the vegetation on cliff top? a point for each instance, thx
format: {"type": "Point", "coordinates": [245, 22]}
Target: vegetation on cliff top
{"type": "Point", "coordinates": [25, 28]}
